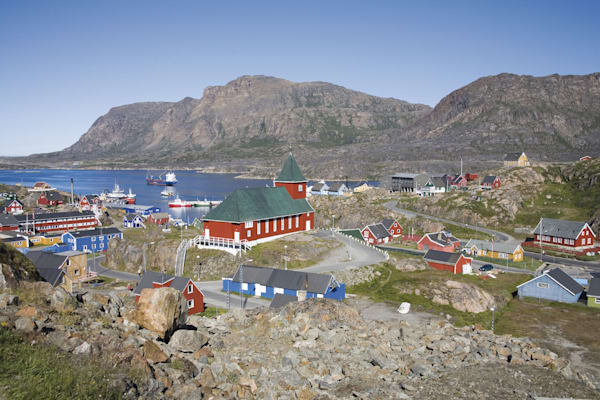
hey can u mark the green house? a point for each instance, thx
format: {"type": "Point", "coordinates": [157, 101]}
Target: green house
{"type": "Point", "coordinates": [593, 294]}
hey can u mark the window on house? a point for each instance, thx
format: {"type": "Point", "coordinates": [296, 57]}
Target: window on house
{"type": "Point", "coordinates": [267, 226]}
{"type": "Point", "coordinates": [597, 300]}
{"type": "Point", "coordinates": [76, 272]}
{"type": "Point", "coordinates": [68, 262]}
{"type": "Point", "coordinates": [282, 223]}
{"type": "Point", "coordinates": [258, 228]}
{"type": "Point", "coordinates": [275, 225]}
{"type": "Point", "coordinates": [93, 239]}
{"type": "Point", "coordinates": [297, 221]}
{"type": "Point", "coordinates": [249, 224]}
{"type": "Point", "coordinates": [247, 233]}
{"type": "Point", "coordinates": [300, 188]}
{"type": "Point", "coordinates": [190, 288]}
{"type": "Point", "coordinates": [543, 285]}
{"type": "Point", "coordinates": [289, 222]}
{"type": "Point", "coordinates": [190, 304]}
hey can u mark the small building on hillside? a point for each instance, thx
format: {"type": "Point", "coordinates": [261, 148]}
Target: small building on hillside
{"type": "Point", "coordinates": [516, 160]}
{"type": "Point", "coordinates": [267, 282]}
{"type": "Point", "coordinates": [501, 250]}
{"type": "Point", "coordinates": [435, 185]}
{"type": "Point", "coordinates": [255, 215]}
{"type": "Point", "coordinates": [84, 203]}
{"type": "Point", "coordinates": [17, 241]}
{"type": "Point", "coordinates": [338, 189]}
{"type": "Point", "coordinates": [554, 285]}
{"type": "Point", "coordinates": [393, 227]}
{"type": "Point", "coordinates": [471, 177]}
{"type": "Point", "coordinates": [91, 241]}
{"type": "Point", "coordinates": [376, 234]}
{"type": "Point", "coordinates": [441, 241]}
{"type": "Point", "coordinates": [133, 221]}
{"type": "Point", "coordinates": [456, 263]}
{"type": "Point", "coordinates": [490, 182]}
{"type": "Point", "coordinates": [13, 207]}
{"type": "Point", "coordinates": [457, 181]}
{"type": "Point", "coordinates": [50, 199]}
{"type": "Point", "coordinates": [161, 218]}
{"type": "Point", "coordinates": [65, 269]}
{"type": "Point", "coordinates": [191, 292]}
{"type": "Point", "coordinates": [593, 293]}
{"type": "Point", "coordinates": [362, 188]}
{"type": "Point", "coordinates": [320, 188]}
{"type": "Point", "coordinates": [563, 234]}
{"type": "Point", "coordinates": [406, 182]}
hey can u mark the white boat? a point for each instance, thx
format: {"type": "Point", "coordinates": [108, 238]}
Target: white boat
{"type": "Point", "coordinates": [205, 203]}
{"type": "Point", "coordinates": [167, 193]}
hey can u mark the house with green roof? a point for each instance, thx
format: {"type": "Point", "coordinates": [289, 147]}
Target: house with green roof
{"type": "Point", "coordinates": [254, 215]}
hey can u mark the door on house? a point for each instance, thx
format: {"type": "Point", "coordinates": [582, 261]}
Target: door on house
{"type": "Point", "coordinates": [308, 225]}
{"type": "Point", "coordinates": [207, 232]}
{"type": "Point", "coordinates": [236, 236]}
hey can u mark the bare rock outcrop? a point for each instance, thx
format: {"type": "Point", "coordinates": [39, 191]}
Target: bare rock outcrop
{"type": "Point", "coordinates": [463, 297]}
{"type": "Point", "coordinates": [160, 310]}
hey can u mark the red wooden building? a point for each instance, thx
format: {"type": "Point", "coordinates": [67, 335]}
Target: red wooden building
{"type": "Point", "coordinates": [456, 263]}
{"type": "Point", "coordinates": [567, 234]}
{"type": "Point", "coordinates": [376, 234]}
{"type": "Point", "coordinates": [50, 199]}
{"type": "Point", "coordinates": [491, 182]}
{"type": "Point", "coordinates": [471, 177]}
{"type": "Point", "coordinates": [84, 204]}
{"type": "Point", "coordinates": [13, 207]}
{"type": "Point", "coordinates": [57, 222]}
{"type": "Point", "coordinates": [441, 241]}
{"type": "Point", "coordinates": [392, 226]}
{"type": "Point", "coordinates": [161, 218]}
{"type": "Point", "coordinates": [260, 214]}
{"type": "Point", "coordinates": [191, 292]}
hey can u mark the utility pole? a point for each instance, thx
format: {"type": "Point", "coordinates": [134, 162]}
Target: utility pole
{"type": "Point", "coordinates": [285, 257]}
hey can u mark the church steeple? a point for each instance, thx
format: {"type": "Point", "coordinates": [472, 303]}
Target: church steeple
{"type": "Point", "coordinates": [292, 179]}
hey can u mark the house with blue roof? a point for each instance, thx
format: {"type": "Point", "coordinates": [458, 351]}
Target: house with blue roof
{"type": "Point", "coordinates": [553, 285]}
{"type": "Point", "coordinates": [91, 241]}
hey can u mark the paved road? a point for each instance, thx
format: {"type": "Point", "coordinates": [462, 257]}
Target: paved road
{"type": "Point", "coordinates": [500, 236]}
{"type": "Point", "coordinates": [124, 276]}
{"type": "Point", "coordinates": [590, 265]}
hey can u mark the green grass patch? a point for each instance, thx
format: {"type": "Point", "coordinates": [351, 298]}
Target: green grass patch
{"type": "Point", "coordinates": [45, 372]}
{"type": "Point", "coordinates": [527, 263]}
{"type": "Point", "coordinates": [394, 287]}
{"type": "Point", "coordinates": [212, 312]}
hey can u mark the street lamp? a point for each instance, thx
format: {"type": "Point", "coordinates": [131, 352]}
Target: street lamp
{"type": "Point", "coordinates": [199, 266]}
{"type": "Point", "coordinates": [285, 257]}
{"type": "Point", "coordinates": [492, 309]}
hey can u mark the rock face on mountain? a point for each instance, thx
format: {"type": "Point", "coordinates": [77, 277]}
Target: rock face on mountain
{"type": "Point", "coordinates": [248, 115]}
{"type": "Point", "coordinates": [553, 117]}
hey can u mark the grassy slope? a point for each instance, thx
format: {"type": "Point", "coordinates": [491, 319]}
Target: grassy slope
{"type": "Point", "coordinates": [45, 372]}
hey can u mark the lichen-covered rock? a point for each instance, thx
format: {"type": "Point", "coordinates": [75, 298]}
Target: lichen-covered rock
{"type": "Point", "coordinates": [188, 341]}
{"type": "Point", "coordinates": [160, 310]}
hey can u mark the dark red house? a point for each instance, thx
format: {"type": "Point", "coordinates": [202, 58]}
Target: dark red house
{"type": "Point", "coordinates": [571, 235]}
{"type": "Point", "coordinates": [456, 263]}
{"type": "Point", "coordinates": [392, 226]}
{"type": "Point", "coordinates": [11, 207]}
{"type": "Point", "coordinates": [490, 182]}
{"type": "Point", "coordinates": [376, 234]}
{"type": "Point", "coordinates": [471, 177]}
{"type": "Point", "coordinates": [50, 199]}
{"type": "Point", "coordinates": [161, 218]}
{"type": "Point", "coordinates": [191, 292]}
{"type": "Point", "coordinates": [441, 241]}
{"type": "Point", "coordinates": [255, 215]}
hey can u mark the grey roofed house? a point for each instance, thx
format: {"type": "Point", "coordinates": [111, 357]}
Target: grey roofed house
{"type": "Point", "coordinates": [286, 279]}
{"type": "Point", "coordinates": [336, 186]}
{"type": "Point", "coordinates": [150, 277]}
{"type": "Point", "coordinates": [95, 232]}
{"type": "Point", "coordinates": [438, 181]}
{"type": "Point", "coordinates": [318, 186]}
{"type": "Point", "coordinates": [387, 223]}
{"type": "Point", "coordinates": [594, 288]}
{"type": "Point", "coordinates": [442, 238]}
{"type": "Point", "coordinates": [48, 265]}
{"type": "Point", "coordinates": [442, 256]}
{"type": "Point", "coordinates": [489, 179]}
{"type": "Point", "coordinates": [54, 196]}
{"type": "Point", "coordinates": [8, 220]}
{"type": "Point", "coordinates": [560, 228]}
{"type": "Point", "coordinates": [565, 280]}
{"type": "Point", "coordinates": [379, 231]}
{"type": "Point", "coordinates": [408, 182]}
{"type": "Point", "coordinates": [502, 247]}
{"type": "Point", "coordinates": [281, 300]}
{"type": "Point", "coordinates": [130, 216]}
{"type": "Point", "coordinates": [55, 215]}
{"type": "Point", "coordinates": [512, 156]}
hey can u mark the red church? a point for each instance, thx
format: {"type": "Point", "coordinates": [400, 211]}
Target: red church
{"type": "Point", "coordinates": [256, 215]}
{"type": "Point", "coordinates": [191, 292]}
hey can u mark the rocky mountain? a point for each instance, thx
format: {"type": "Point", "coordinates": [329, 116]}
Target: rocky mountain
{"type": "Point", "coordinates": [336, 132]}
{"type": "Point", "coordinates": [553, 117]}
{"type": "Point", "coordinates": [248, 118]}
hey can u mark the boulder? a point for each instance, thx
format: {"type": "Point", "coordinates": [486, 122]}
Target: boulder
{"type": "Point", "coordinates": [8, 300]}
{"type": "Point", "coordinates": [27, 311]}
{"type": "Point", "coordinates": [25, 324]}
{"type": "Point", "coordinates": [160, 310]}
{"type": "Point", "coordinates": [153, 353]}
{"type": "Point", "coordinates": [61, 300]}
{"type": "Point", "coordinates": [188, 341]}
{"type": "Point", "coordinates": [470, 298]}
{"type": "Point", "coordinates": [83, 348]}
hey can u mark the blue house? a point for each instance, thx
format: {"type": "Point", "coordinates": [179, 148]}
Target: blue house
{"type": "Point", "coordinates": [91, 241]}
{"type": "Point", "coordinates": [554, 285]}
{"type": "Point", "coordinates": [133, 221]}
{"type": "Point", "coordinates": [267, 282]}
{"type": "Point", "coordinates": [134, 208]}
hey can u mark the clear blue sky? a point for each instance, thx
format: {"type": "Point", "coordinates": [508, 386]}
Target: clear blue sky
{"type": "Point", "coordinates": [65, 63]}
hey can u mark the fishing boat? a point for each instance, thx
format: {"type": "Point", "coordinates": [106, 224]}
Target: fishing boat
{"type": "Point", "coordinates": [118, 195]}
{"type": "Point", "coordinates": [130, 199]}
{"type": "Point", "coordinates": [178, 203]}
{"type": "Point", "coordinates": [169, 179]}
{"type": "Point", "coordinates": [167, 193]}
{"type": "Point", "coordinates": [205, 203]}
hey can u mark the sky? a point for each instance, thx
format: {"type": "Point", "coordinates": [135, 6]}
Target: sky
{"type": "Point", "coordinates": [63, 64]}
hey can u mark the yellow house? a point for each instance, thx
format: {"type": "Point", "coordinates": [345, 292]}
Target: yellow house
{"type": "Point", "coordinates": [17, 241]}
{"type": "Point", "coordinates": [46, 239]}
{"type": "Point", "coordinates": [501, 250]}
{"type": "Point", "coordinates": [64, 269]}
{"type": "Point", "coordinates": [516, 160]}
{"type": "Point", "coordinates": [74, 268]}
{"type": "Point", "coordinates": [362, 188]}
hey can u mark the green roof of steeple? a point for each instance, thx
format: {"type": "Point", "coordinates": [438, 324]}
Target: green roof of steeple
{"type": "Point", "coordinates": [290, 171]}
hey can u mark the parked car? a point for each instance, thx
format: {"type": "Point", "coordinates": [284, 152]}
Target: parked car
{"type": "Point", "coordinates": [486, 267]}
